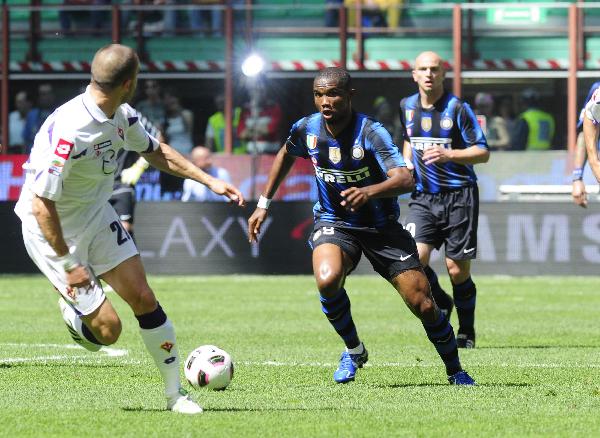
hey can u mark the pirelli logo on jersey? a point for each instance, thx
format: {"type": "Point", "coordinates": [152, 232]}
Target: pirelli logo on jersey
{"type": "Point", "coordinates": [423, 143]}
{"type": "Point", "coordinates": [340, 176]}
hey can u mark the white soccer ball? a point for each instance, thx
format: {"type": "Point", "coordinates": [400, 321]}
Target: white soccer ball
{"type": "Point", "coordinates": [208, 367]}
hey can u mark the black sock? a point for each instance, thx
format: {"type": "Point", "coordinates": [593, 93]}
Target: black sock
{"type": "Point", "coordinates": [153, 319]}
{"type": "Point", "coordinates": [442, 337]}
{"type": "Point", "coordinates": [465, 295]}
{"type": "Point", "coordinates": [439, 295]}
{"type": "Point", "coordinates": [337, 311]}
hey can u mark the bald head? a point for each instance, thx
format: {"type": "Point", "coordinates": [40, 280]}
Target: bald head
{"type": "Point", "coordinates": [202, 157]}
{"type": "Point", "coordinates": [112, 65]}
{"type": "Point", "coordinates": [429, 75]}
{"type": "Point", "coordinates": [428, 58]}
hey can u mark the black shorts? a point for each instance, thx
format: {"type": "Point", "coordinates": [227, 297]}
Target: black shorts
{"type": "Point", "coordinates": [391, 250]}
{"type": "Point", "coordinates": [123, 201]}
{"type": "Point", "coordinates": [448, 218]}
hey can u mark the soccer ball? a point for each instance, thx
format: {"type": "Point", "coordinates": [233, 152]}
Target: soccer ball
{"type": "Point", "coordinates": [208, 367]}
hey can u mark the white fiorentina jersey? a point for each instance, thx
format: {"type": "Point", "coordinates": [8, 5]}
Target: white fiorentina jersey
{"type": "Point", "coordinates": [592, 108]}
{"type": "Point", "coordinates": [73, 161]}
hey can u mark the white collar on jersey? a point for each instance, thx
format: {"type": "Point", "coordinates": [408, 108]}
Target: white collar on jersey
{"type": "Point", "coordinates": [91, 106]}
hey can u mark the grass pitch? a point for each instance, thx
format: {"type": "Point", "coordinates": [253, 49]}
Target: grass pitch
{"type": "Point", "coordinates": [537, 363]}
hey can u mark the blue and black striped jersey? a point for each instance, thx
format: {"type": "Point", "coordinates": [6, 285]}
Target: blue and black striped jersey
{"type": "Point", "coordinates": [450, 123]}
{"type": "Point", "coordinates": [593, 88]}
{"type": "Point", "coordinates": [359, 156]}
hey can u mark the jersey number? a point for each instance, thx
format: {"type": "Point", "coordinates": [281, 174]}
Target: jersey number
{"type": "Point", "coordinates": [122, 234]}
{"type": "Point", "coordinates": [411, 227]}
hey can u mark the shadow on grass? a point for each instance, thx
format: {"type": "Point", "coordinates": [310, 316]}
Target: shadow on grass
{"type": "Point", "coordinates": [432, 385]}
{"type": "Point", "coordinates": [249, 409]}
{"type": "Point", "coordinates": [60, 365]}
{"type": "Point", "coordinates": [533, 347]}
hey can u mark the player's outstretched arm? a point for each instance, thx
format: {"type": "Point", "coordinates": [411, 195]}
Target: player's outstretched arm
{"type": "Point", "coordinates": [168, 160]}
{"type": "Point", "coordinates": [47, 218]}
{"type": "Point", "coordinates": [400, 180]}
{"type": "Point", "coordinates": [579, 192]}
{"type": "Point", "coordinates": [281, 166]}
{"type": "Point", "coordinates": [590, 134]}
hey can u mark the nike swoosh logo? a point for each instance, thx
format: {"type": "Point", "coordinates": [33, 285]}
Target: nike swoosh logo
{"type": "Point", "coordinates": [467, 251]}
{"type": "Point", "coordinates": [406, 257]}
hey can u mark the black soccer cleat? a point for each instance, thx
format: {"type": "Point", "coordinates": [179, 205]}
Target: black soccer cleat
{"type": "Point", "coordinates": [465, 340]}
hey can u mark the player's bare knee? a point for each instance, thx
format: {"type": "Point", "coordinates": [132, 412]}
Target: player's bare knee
{"type": "Point", "coordinates": [329, 280]}
{"type": "Point", "coordinates": [109, 331]}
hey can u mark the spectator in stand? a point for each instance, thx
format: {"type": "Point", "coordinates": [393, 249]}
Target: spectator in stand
{"type": "Point", "coordinates": [152, 106]}
{"type": "Point", "coordinates": [259, 124]}
{"type": "Point", "coordinates": [17, 121]}
{"type": "Point", "coordinates": [494, 127]}
{"type": "Point", "coordinates": [97, 19]}
{"type": "Point", "coordinates": [332, 13]}
{"type": "Point", "coordinates": [193, 191]}
{"type": "Point", "coordinates": [383, 112]}
{"type": "Point", "coordinates": [214, 136]}
{"type": "Point", "coordinates": [178, 125]}
{"type": "Point", "coordinates": [38, 115]}
{"type": "Point", "coordinates": [506, 111]}
{"type": "Point", "coordinates": [535, 127]}
{"type": "Point", "coordinates": [207, 21]}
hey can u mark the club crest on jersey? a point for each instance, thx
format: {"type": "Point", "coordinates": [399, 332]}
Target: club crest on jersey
{"type": "Point", "coordinates": [426, 124]}
{"type": "Point", "coordinates": [120, 132]}
{"type": "Point", "coordinates": [314, 160]}
{"type": "Point", "coordinates": [167, 346]}
{"type": "Point", "coordinates": [335, 155]}
{"type": "Point", "coordinates": [311, 141]}
{"type": "Point", "coordinates": [410, 114]}
{"type": "Point", "coordinates": [446, 123]}
{"type": "Point", "coordinates": [358, 152]}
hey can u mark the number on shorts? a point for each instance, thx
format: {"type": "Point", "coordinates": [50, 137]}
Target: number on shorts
{"type": "Point", "coordinates": [411, 227]}
{"type": "Point", "coordinates": [122, 234]}
{"type": "Point", "coordinates": [328, 231]}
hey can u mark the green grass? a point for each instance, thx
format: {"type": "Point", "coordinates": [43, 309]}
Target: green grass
{"type": "Point", "coordinates": [537, 363]}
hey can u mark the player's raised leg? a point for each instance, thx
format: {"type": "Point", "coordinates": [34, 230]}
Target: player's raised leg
{"type": "Point", "coordinates": [128, 279]}
{"type": "Point", "coordinates": [465, 295]}
{"type": "Point", "coordinates": [330, 265]}
{"type": "Point", "coordinates": [414, 289]}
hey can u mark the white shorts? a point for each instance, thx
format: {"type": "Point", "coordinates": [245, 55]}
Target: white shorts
{"type": "Point", "coordinates": [103, 246]}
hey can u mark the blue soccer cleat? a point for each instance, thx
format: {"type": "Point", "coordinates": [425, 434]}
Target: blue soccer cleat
{"type": "Point", "coordinates": [461, 378]}
{"type": "Point", "coordinates": [349, 363]}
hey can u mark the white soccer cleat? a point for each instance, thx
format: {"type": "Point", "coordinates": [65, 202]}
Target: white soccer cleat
{"type": "Point", "coordinates": [183, 404]}
{"type": "Point", "coordinates": [73, 322]}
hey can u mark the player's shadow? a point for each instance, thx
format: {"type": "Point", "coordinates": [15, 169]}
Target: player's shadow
{"type": "Point", "coordinates": [248, 409]}
{"type": "Point", "coordinates": [432, 385]}
{"type": "Point", "coordinates": [532, 347]}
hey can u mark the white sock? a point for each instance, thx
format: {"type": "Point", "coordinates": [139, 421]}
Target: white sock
{"type": "Point", "coordinates": [162, 345]}
{"type": "Point", "coordinates": [356, 350]}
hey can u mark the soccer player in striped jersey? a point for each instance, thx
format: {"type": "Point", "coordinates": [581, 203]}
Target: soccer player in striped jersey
{"type": "Point", "coordinates": [442, 141]}
{"type": "Point", "coordinates": [359, 174]}
{"type": "Point", "coordinates": [579, 192]}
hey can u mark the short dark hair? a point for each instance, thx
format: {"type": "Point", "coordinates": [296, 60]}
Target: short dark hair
{"type": "Point", "coordinates": [336, 74]}
{"type": "Point", "coordinates": [118, 72]}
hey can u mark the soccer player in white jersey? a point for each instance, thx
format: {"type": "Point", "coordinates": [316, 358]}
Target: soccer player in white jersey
{"type": "Point", "coordinates": [74, 235]}
{"type": "Point", "coordinates": [591, 127]}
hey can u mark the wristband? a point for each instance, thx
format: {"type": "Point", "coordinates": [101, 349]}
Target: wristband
{"type": "Point", "coordinates": [578, 174]}
{"type": "Point", "coordinates": [68, 262]}
{"type": "Point", "coordinates": [263, 202]}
